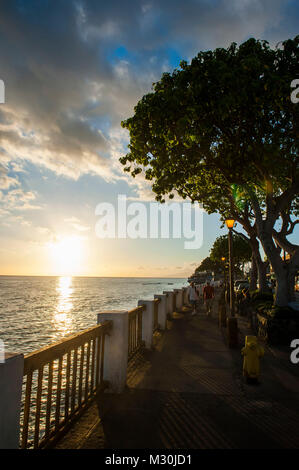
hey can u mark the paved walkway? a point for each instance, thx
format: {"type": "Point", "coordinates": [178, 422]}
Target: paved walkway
{"type": "Point", "coordinates": [188, 393]}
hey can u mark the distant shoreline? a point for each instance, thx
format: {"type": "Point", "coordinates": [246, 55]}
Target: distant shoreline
{"type": "Point", "coordinates": [95, 277]}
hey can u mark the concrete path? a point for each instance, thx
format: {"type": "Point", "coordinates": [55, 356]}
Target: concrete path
{"type": "Point", "coordinates": [188, 393]}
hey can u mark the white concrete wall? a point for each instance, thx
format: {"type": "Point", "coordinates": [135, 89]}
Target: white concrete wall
{"type": "Point", "coordinates": [11, 380]}
{"type": "Point", "coordinates": [185, 295]}
{"type": "Point", "coordinates": [182, 297]}
{"type": "Point", "coordinates": [162, 311]}
{"type": "Point", "coordinates": [169, 301]}
{"type": "Point", "coordinates": [179, 298]}
{"type": "Point", "coordinates": [116, 350]}
{"type": "Point", "coordinates": [147, 322]}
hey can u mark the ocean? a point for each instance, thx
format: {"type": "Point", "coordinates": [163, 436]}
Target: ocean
{"type": "Point", "coordinates": [38, 311]}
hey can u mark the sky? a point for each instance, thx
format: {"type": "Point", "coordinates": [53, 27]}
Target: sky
{"type": "Point", "coordinates": [73, 70]}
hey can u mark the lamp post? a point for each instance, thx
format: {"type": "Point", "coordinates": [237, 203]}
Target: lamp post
{"type": "Point", "coordinates": [232, 325]}
{"type": "Point", "coordinates": [224, 275]}
{"type": "Point", "coordinates": [230, 224]}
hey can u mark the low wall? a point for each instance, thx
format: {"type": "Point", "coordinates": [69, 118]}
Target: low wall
{"type": "Point", "coordinates": [104, 351]}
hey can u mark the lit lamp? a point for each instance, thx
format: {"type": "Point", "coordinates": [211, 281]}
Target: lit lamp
{"type": "Point", "coordinates": [230, 225]}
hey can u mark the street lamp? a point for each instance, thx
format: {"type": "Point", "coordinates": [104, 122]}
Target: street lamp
{"type": "Point", "coordinates": [232, 324]}
{"type": "Point", "coordinates": [224, 276]}
{"type": "Point", "coordinates": [230, 224]}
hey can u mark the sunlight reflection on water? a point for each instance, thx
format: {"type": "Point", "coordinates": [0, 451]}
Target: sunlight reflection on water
{"type": "Point", "coordinates": [62, 319]}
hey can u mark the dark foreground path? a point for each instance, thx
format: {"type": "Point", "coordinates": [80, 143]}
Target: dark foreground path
{"type": "Point", "coordinates": [189, 393]}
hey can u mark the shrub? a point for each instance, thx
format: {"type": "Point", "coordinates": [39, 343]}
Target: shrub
{"type": "Point", "coordinates": [281, 326]}
{"type": "Point", "coordinates": [283, 312]}
{"type": "Point", "coordinates": [257, 296]}
{"type": "Point", "coordinates": [264, 307]}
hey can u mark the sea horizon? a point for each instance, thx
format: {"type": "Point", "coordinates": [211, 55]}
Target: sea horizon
{"type": "Point", "coordinates": [36, 311]}
{"type": "Point", "coordinates": [94, 277]}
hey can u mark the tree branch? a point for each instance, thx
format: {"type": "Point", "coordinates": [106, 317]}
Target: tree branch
{"type": "Point", "coordinates": [284, 243]}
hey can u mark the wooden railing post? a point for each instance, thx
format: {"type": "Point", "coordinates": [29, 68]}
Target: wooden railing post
{"type": "Point", "coordinates": [116, 350]}
{"type": "Point", "coordinates": [11, 380]}
{"type": "Point", "coordinates": [169, 301]}
{"type": "Point", "coordinates": [162, 310]}
{"type": "Point", "coordinates": [147, 322]}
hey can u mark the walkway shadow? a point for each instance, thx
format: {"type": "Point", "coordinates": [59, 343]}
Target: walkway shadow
{"type": "Point", "coordinates": [184, 395]}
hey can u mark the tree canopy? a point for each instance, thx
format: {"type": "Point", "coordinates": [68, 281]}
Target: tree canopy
{"type": "Point", "coordinates": [241, 250]}
{"type": "Point", "coordinates": [223, 130]}
{"type": "Point", "coordinates": [209, 265]}
{"type": "Point", "coordinates": [226, 118]}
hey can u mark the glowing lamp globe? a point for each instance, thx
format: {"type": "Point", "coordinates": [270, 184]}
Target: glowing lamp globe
{"type": "Point", "coordinates": [230, 223]}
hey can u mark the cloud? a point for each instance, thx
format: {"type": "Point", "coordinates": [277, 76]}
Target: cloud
{"type": "Point", "coordinates": [7, 182]}
{"type": "Point", "coordinates": [76, 224]}
{"type": "Point", "coordinates": [18, 199]}
{"type": "Point", "coordinates": [66, 88]}
{"type": "Point", "coordinates": [17, 167]}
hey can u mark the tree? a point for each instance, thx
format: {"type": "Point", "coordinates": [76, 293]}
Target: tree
{"type": "Point", "coordinates": [253, 274]}
{"type": "Point", "coordinates": [214, 263]}
{"type": "Point", "coordinates": [241, 250]}
{"type": "Point", "coordinates": [209, 265]}
{"type": "Point", "coordinates": [223, 131]}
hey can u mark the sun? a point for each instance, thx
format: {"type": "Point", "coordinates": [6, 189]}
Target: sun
{"type": "Point", "coordinates": [66, 255]}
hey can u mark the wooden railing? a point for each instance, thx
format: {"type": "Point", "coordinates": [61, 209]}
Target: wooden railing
{"type": "Point", "coordinates": [156, 310]}
{"type": "Point", "coordinates": [135, 330]}
{"type": "Point", "coordinates": [60, 380]}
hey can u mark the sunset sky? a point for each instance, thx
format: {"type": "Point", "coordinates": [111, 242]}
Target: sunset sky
{"type": "Point", "coordinates": [72, 71]}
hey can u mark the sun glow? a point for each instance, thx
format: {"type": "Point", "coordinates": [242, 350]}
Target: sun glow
{"type": "Point", "coordinates": [66, 255]}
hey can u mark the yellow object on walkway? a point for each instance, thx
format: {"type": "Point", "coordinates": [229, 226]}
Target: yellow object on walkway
{"type": "Point", "coordinates": [252, 353]}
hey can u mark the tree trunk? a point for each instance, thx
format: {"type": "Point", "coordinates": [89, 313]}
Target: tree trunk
{"type": "Point", "coordinates": [262, 276]}
{"type": "Point", "coordinates": [292, 276]}
{"type": "Point", "coordinates": [282, 287]}
{"type": "Point", "coordinates": [284, 272]}
{"type": "Point", "coordinates": [253, 274]}
{"type": "Point", "coordinates": [260, 264]}
{"type": "Point", "coordinates": [285, 279]}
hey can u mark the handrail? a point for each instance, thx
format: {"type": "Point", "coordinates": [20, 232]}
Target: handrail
{"type": "Point", "coordinates": [135, 310]}
{"type": "Point", "coordinates": [61, 380]}
{"type": "Point", "coordinates": [52, 352]}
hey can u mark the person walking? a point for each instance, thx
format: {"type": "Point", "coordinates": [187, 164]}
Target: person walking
{"type": "Point", "coordinates": [193, 297]}
{"type": "Point", "coordinates": [208, 297]}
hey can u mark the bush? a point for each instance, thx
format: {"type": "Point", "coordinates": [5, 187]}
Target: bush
{"type": "Point", "coordinates": [283, 312]}
{"type": "Point", "coordinates": [282, 324]}
{"type": "Point", "coordinates": [257, 296]}
{"type": "Point", "coordinates": [264, 307]}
